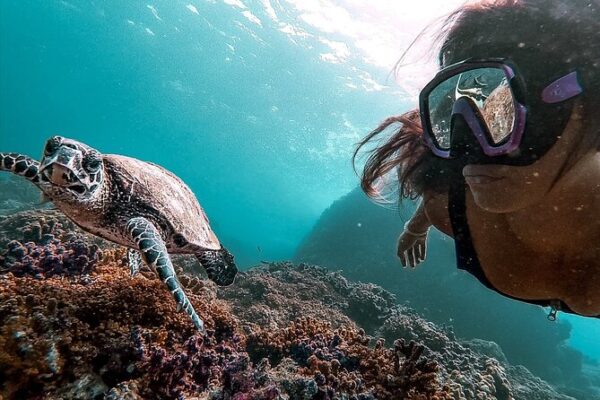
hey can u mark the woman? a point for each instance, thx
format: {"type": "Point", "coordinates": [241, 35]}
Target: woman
{"type": "Point", "coordinates": [504, 151]}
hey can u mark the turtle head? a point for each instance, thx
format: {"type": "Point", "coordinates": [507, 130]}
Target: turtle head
{"type": "Point", "coordinates": [73, 170]}
{"type": "Point", "coordinates": [219, 265]}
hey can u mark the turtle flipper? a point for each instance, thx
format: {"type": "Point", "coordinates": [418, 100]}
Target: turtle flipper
{"type": "Point", "coordinates": [21, 165]}
{"type": "Point", "coordinates": [154, 253]}
{"type": "Point", "coordinates": [219, 265]}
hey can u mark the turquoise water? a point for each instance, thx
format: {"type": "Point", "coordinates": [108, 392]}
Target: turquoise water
{"type": "Point", "coordinates": [250, 117]}
{"type": "Point", "coordinates": [250, 104]}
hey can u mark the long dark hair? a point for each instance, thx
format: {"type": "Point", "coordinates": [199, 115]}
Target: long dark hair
{"type": "Point", "coordinates": [417, 168]}
{"type": "Point", "coordinates": [543, 36]}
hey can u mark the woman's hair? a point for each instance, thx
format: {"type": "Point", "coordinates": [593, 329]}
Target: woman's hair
{"type": "Point", "coordinates": [545, 38]}
{"type": "Point", "coordinates": [417, 167]}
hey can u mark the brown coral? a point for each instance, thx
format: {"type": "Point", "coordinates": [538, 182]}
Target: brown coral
{"type": "Point", "coordinates": [55, 329]}
{"type": "Point", "coordinates": [341, 361]}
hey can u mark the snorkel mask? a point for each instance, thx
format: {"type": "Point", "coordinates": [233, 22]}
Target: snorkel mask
{"type": "Point", "coordinates": [481, 110]}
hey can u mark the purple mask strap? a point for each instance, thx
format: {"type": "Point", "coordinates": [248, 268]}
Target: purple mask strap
{"type": "Point", "coordinates": [562, 89]}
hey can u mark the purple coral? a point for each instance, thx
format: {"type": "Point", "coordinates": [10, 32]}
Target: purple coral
{"type": "Point", "coordinates": [49, 258]}
{"type": "Point", "coordinates": [190, 367]}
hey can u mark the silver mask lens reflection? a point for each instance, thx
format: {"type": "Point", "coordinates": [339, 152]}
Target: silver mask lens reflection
{"type": "Point", "coordinates": [488, 89]}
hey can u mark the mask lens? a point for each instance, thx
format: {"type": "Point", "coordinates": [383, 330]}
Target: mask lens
{"type": "Point", "coordinates": [490, 92]}
{"type": "Point", "coordinates": [498, 112]}
{"type": "Point", "coordinates": [441, 100]}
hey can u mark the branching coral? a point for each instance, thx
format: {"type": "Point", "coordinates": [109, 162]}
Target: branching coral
{"type": "Point", "coordinates": [413, 374]}
{"type": "Point", "coordinates": [341, 361]}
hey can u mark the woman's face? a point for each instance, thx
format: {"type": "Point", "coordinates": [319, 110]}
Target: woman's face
{"type": "Point", "coordinates": [501, 188]}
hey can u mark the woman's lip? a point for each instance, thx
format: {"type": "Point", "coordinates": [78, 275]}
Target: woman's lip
{"type": "Point", "coordinates": [480, 179]}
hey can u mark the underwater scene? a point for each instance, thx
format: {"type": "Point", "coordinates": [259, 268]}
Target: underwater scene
{"type": "Point", "coordinates": [182, 217]}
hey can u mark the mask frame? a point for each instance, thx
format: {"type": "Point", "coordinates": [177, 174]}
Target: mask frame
{"type": "Point", "coordinates": [559, 90]}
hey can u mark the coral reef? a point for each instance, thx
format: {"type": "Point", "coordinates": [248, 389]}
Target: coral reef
{"type": "Point", "coordinates": [264, 296]}
{"type": "Point", "coordinates": [342, 362]}
{"type": "Point", "coordinates": [74, 257]}
{"type": "Point", "coordinates": [47, 244]}
{"type": "Point", "coordinates": [43, 243]}
{"type": "Point", "coordinates": [469, 373]}
{"type": "Point", "coordinates": [40, 227]}
{"type": "Point", "coordinates": [464, 372]}
{"type": "Point", "coordinates": [55, 332]}
{"type": "Point", "coordinates": [114, 335]}
{"type": "Point", "coordinates": [282, 331]}
{"type": "Point", "coordinates": [33, 226]}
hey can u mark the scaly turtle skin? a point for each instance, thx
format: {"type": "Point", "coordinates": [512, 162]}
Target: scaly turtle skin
{"type": "Point", "coordinates": [130, 202]}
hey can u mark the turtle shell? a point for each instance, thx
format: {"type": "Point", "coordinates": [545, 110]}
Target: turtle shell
{"type": "Point", "coordinates": [153, 189]}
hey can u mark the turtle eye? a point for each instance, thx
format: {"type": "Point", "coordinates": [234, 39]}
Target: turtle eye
{"type": "Point", "coordinates": [92, 162]}
{"type": "Point", "coordinates": [52, 145]}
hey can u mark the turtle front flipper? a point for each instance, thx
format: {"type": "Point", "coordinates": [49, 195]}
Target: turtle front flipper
{"type": "Point", "coordinates": [219, 265]}
{"type": "Point", "coordinates": [154, 253]}
{"type": "Point", "coordinates": [21, 165]}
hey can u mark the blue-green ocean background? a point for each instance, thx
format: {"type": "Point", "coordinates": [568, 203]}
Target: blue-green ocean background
{"type": "Point", "coordinates": [249, 115]}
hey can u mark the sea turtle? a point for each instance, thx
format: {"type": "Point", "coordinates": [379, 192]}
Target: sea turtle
{"type": "Point", "coordinates": [130, 202]}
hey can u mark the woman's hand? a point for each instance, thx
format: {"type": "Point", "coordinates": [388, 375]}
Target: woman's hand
{"type": "Point", "coordinates": [412, 248]}
{"type": "Point", "coordinates": [412, 242]}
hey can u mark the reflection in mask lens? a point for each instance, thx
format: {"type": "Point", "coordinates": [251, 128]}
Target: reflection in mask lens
{"type": "Point", "coordinates": [488, 89]}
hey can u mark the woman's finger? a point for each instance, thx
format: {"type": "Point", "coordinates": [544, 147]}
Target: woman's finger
{"type": "Point", "coordinates": [417, 256]}
{"type": "Point", "coordinates": [402, 257]}
{"type": "Point", "coordinates": [411, 257]}
{"type": "Point", "coordinates": [421, 247]}
{"type": "Point", "coordinates": [418, 252]}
